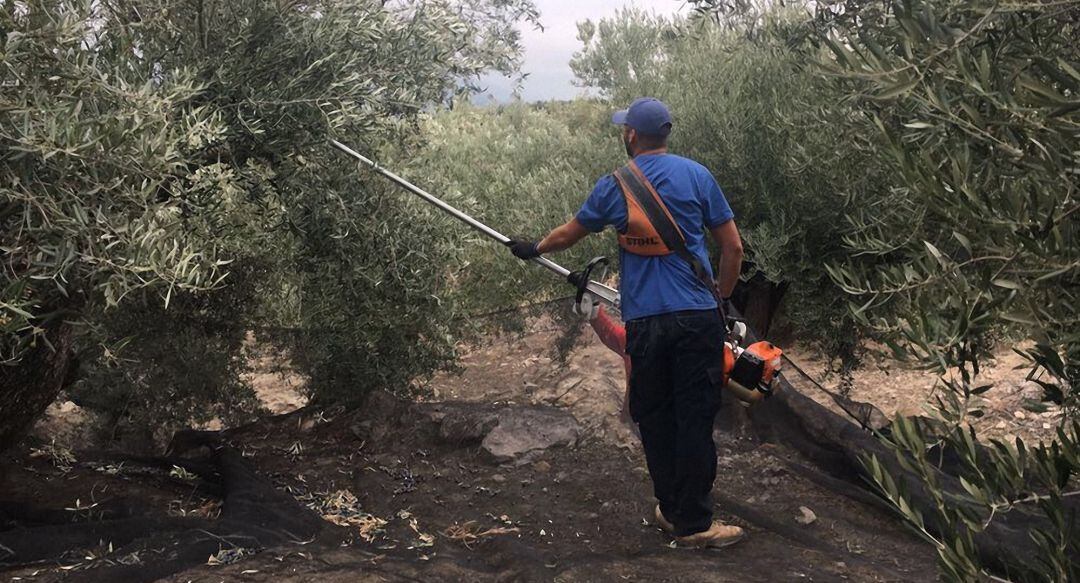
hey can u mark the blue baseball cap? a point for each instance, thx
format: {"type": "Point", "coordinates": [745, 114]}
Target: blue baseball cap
{"type": "Point", "coordinates": [647, 115]}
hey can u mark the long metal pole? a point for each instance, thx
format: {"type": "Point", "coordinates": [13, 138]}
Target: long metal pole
{"type": "Point", "coordinates": [605, 293]}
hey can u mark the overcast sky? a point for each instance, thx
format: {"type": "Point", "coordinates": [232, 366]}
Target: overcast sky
{"type": "Point", "coordinates": [548, 52]}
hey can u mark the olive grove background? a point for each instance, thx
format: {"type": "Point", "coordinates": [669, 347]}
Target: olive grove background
{"type": "Point", "coordinates": [905, 174]}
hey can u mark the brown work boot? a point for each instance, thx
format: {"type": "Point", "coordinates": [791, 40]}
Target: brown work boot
{"type": "Point", "coordinates": [718, 536]}
{"type": "Point", "coordinates": [662, 522]}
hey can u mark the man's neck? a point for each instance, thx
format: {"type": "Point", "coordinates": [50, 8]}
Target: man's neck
{"type": "Point", "coordinates": [660, 150]}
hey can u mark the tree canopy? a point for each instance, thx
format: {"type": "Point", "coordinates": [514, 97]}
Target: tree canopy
{"type": "Point", "coordinates": [155, 149]}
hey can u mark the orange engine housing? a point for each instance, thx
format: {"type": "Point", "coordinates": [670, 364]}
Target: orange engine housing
{"type": "Point", "coordinates": [749, 372]}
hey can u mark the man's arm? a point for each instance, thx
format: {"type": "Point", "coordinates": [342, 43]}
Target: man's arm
{"type": "Point", "coordinates": [598, 211]}
{"type": "Point", "coordinates": [727, 238]}
{"type": "Point", "coordinates": [562, 237]}
{"type": "Point", "coordinates": [559, 239]}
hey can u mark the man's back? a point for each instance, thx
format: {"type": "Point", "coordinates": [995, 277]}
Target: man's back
{"type": "Point", "coordinates": [664, 284]}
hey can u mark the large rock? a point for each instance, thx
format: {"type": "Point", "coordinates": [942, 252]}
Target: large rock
{"type": "Point", "coordinates": [467, 428]}
{"type": "Point", "coordinates": [508, 433]}
{"type": "Point", "coordinates": [461, 423]}
{"type": "Point", "coordinates": [523, 432]}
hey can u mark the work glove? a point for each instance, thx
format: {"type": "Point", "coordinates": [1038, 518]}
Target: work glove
{"type": "Point", "coordinates": [522, 249]}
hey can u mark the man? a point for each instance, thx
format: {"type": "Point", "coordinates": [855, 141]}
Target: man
{"type": "Point", "coordinates": [674, 329]}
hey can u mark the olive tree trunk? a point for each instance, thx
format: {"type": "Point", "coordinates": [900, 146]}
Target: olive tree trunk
{"type": "Point", "coordinates": [758, 300]}
{"type": "Point", "coordinates": [28, 388]}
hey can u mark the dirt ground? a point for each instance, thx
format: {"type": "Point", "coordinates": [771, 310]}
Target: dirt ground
{"type": "Point", "coordinates": [897, 388]}
{"type": "Point", "coordinates": [574, 514]}
{"type": "Point", "coordinates": [591, 385]}
{"type": "Point", "coordinates": [402, 502]}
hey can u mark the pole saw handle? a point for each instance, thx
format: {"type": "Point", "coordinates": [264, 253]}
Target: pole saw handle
{"type": "Point", "coordinates": [580, 279]}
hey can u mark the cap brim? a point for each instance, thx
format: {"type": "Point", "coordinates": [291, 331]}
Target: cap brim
{"type": "Point", "coordinates": [619, 117]}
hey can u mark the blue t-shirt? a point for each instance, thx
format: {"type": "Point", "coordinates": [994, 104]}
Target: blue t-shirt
{"type": "Point", "coordinates": [659, 285]}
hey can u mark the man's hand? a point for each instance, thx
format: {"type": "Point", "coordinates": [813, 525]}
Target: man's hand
{"type": "Point", "coordinates": [522, 249]}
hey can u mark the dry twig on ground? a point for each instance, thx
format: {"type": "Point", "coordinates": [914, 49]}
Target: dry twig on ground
{"type": "Point", "coordinates": [470, 533]}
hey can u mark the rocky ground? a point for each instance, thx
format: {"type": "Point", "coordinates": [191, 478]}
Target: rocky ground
{"type": "Point", "coordinates": [519, 468]}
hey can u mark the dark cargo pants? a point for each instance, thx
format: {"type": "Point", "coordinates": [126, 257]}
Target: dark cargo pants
{"type": "Point", "coordinates": [673, 398]}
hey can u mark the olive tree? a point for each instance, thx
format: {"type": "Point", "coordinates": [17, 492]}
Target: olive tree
{"type": "Point", "coordinates": [157, 149]}
{"type": "Point", "coordinates": [978, 102]}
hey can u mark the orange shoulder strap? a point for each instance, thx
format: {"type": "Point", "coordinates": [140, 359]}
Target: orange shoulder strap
{"type": "Point", "coordinates": [640, 236]}
{"type": "Point", "coordinates": [642, 196]}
